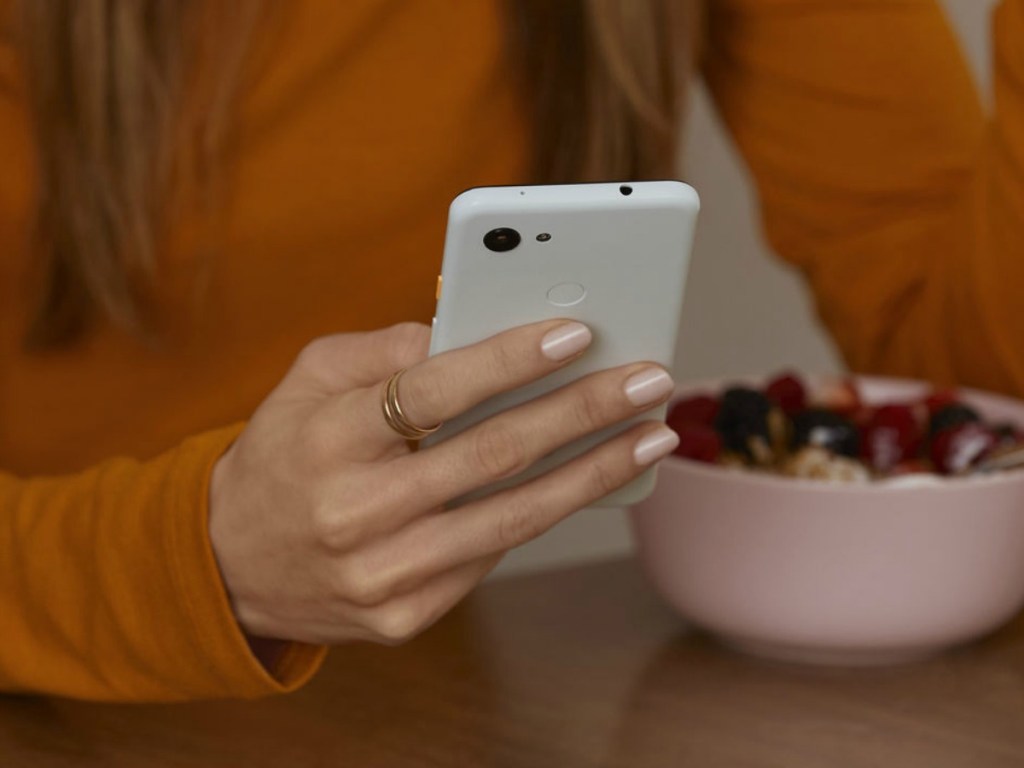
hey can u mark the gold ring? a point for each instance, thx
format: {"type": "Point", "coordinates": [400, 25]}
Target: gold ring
{"type": "Point", "coordinates": [394, 416]}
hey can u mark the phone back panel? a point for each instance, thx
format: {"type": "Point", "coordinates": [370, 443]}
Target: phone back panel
{"type": "Point", "coordinates": [627, 254]}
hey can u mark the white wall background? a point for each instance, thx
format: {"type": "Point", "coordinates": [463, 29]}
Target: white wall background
{"type": "Point", "coordinates": [744, 311]}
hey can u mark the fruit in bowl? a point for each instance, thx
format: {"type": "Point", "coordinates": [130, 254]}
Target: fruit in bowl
{"type": "Point", "coordinates": [909, 553]}
{"type": "Point", "coordinates": [831, 433]}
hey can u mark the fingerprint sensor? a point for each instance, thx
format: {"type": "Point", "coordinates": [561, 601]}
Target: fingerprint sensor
{"type": "Point", "coordinates": [567, 294]}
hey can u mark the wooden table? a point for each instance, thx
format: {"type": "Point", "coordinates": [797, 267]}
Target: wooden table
{"type": "Point", "coordinates": [583, 667]}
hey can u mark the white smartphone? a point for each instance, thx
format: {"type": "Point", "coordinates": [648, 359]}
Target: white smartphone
{"type": "Point", "coordinates": [612, 255]}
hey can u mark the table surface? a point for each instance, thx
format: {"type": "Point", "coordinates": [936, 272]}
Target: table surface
{"type": "Point", "coordinates": [581, 667]}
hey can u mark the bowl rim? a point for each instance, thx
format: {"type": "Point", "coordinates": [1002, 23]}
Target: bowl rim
{"type": "Point", "coordinates": [934, 483]}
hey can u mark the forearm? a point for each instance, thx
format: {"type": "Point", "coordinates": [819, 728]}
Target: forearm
{"type": "Point", "coordinates": [109, 588]}
{"type": "Point", "coordinates": [866, 140]}
{"type": "Point", "coordinates": [994, 272]}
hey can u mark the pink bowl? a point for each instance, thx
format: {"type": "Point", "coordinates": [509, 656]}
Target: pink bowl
{"type": "Point", "coordinates": [838, 574]}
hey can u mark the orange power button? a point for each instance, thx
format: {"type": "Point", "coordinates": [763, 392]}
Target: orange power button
{"type": "Point", "coordinates": [437, 293]}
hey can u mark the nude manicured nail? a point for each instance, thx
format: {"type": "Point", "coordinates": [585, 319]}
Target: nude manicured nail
{"type": "Point", "coordinates": [565, 341]}
{"type": "Point", "coordinates": [648, 386]}
{"type": "Point", "coordinates": [654, 446]}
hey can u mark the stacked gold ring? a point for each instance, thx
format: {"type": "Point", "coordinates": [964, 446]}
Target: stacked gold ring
{"type": "Point", "coordinates": [394, 416]}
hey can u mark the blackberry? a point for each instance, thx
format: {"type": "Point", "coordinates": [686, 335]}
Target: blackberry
{"type": "Point", "coordinates": [742, 420]}
{"type": "Point", "coordinates": [825, 429]}
{"type": "Point", "coordinates": [957, 449]}
{"type": "Point", "coordinates": [952, 415]}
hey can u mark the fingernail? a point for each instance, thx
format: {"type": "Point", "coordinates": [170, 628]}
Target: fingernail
{"type": "Point", "coordinates": [648, 386]}
{"type": "Point", "coordinates": [565, 341]}
{"type": "Point", "coordinates": [654, 446]}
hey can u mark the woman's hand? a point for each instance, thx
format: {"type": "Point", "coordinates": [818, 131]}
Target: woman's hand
{"type": "Point", "coordinates": [328, 529]}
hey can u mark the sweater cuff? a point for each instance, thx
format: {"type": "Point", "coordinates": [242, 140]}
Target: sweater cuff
{"type": "Point", "coordinates": [215, 635]}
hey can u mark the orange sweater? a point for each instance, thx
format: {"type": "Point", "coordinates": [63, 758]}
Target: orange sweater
{"type": "Point", "coordinates": [877, 179]}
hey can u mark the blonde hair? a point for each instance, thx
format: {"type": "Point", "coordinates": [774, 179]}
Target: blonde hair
{"type": "Point", "coordinates": [107, 78]}
{"type": "Point", "coordinates": [607, 80]}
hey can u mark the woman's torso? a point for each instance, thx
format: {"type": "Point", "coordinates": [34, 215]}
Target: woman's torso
{"type": "Point", "coordinates": [364, 119]}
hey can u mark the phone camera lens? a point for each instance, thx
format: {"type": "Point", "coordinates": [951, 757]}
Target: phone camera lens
{"type": "Point", "coordinates": [501, 239]}
{"type": "Point", "coordinates": [626, 190]}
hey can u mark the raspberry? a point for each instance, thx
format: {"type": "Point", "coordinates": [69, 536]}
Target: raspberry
{"type": "Point", "coordinates": [938, 400]}
{"type": "Point", "coordinates": [698, 443]}
{"type": "Point", "coordinates": [699, 409]}
{"type": "Point", "coordinates": [787, 392]}
{"type": "Point", "coordinates": [958, 448]}
{"type": "Point", "coordinates": [891, 437]}
{"type": "Point", "coordinates": [825, 429]}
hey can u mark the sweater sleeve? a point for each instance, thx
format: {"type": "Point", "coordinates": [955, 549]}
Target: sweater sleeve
{"type": "Point", "coordinates": [880, 177]}
{"type": "Point", "coordinates": [109, 588]}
